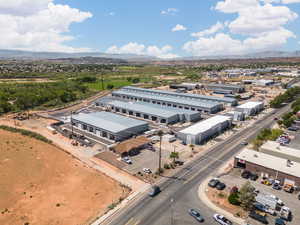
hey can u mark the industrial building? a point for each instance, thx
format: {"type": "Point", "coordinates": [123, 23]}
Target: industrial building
{"type": "Point", "coordinates": [226, 87]}
{"type": "Point", "coordinates": [236, 115]}
{"type": "Point", "coordinates": [250, 108]}
{"type": "Point", "coordinates": [186, 86]}
{"type": "Point", "coordinates": [109, 125]}
{"type": "Point", "coordinates": [170, 101]}
{"type": "Point", "coordinates": [147, 111]}
{"type": "Point", "coordinates": [261, 82]}
{"type": "Point", "coordinates": [204, 130]}
{"type": "Point", "coordinates": [203, 98]}
{"type": "Point", "coordinates": [276, 149]}
{"type": "Point", "coordinates": [286, 171]}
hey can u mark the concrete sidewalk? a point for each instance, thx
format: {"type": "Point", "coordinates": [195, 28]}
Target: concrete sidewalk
{"type": "Point", "coordinates": [203, 197]}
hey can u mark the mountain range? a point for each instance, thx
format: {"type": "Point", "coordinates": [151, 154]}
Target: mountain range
{"type": "Point", "coordinates": [30, 55]}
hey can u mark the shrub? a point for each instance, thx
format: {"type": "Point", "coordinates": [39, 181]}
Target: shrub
{"type": "Point", "coordinates": [26, 133]}
{"type": "Point", "coordinates": [234, 199]}
{"type": "Point", "coordinates": [166, 166]}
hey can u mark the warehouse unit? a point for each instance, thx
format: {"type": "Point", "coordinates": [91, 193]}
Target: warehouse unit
{"type": "Point", "coordinates": [286, 171]}
{"type": "Point", "coordinates": [203, 98]}
{"type": "Point", "coordinates": [228, 87]}
{"type": "Point", "coordinates": [261, 82]}
{"type": "Point", "coordinates": [202, 131]}
{"type": "Point", "coordinates": [147, 111]}
{"type": "Point", "coordinates": [109, 125]}
{"type": "Point", "coordinates": [169, 101]}
{"type": "Point", "coordinates": [250, 108]}
{"type": "Point", "coordinates": [276, 149]}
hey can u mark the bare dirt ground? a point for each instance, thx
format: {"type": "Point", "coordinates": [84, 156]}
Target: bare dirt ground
{"type": "Point", "coordinates": [40, 184]}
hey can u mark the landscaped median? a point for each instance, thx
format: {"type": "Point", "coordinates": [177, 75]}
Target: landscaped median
{"type": "Point", "coordinates": [218, 201]}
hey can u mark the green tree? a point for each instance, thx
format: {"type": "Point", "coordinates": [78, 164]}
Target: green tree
{"type": "Point", "coordinates": [233, 199]}
{"type": "Point", "coordinates": [247, 196]}
{"type": "Point", "coordinates": [174, 156]}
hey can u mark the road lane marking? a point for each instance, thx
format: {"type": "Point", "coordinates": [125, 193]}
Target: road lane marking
{"type": "Point", "coordinates": [137, 222]}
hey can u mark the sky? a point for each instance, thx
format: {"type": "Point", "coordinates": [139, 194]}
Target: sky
{"type": "Point", "coordinates": [165, 29]}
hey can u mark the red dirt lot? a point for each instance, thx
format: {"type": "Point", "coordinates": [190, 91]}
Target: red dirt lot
{"type": "Point", "coordinates": [42, 185]}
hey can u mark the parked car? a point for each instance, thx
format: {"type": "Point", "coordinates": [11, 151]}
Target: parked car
{"type": "Point", "coordinates": [258, 217]}
{"type": "Point", "coordinates": [244, 143]}
{"type": "Point", "coordinates": [246, 174]}
{"type": "Point", "coordinates": [279, 221]}
{"type": "Point", "coordinates": [293, 128]}
{"type": "Point", "coordinates": [147, 170]}
{"type": "Point", "coordinates": [127, 160]}
{"type": "Point", "coordinates": [279, 201]}
{"type": "Point", "coordinates": [276, 186]}
{"type": "Point", "coordinates": [194, 213]}
{"type": "Point", "coordinates": [155, 190]}
{"type": "Point", "coordinates": [220, 186]}
{"type": "Point", "coordinates": [213, 182]}
{"type": "Point", "coordinates": [253, 176]}
{"type": "Point", "coordinates": [299, 197]}
{"type": "Point", "coordinates": [222, 219]}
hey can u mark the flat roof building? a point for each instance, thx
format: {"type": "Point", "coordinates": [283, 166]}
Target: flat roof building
{"type": "Point", "coordinates": [147, 111]}
{"type": "Point", "coordinates": [274, 148]}
{"type": "Point", "coordinates": [109, 125]}
{"type": "Point", "coordinates": [204, 130]}
{"type": "Point", "coordinates": [228, 87]}
{"type": "Point", "coordinates": [169, 101]}
{"type": "Point", "coordinates": [204, 98]}
{"type": "Point", "coordinates": [250, 108]}
{"type": "Point", "coordinates": [286, 171]}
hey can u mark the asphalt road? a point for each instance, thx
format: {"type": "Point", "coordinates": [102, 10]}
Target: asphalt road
{"type": "Point", "coordinates": [180, 192]}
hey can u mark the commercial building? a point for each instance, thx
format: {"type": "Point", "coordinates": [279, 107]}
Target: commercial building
{"type": "Point", "coordinates": [204, 130]}
{"type": "Point", "coordinates": [250, 108]}
{"type": "Point", "coordinates": [236, 115]}
{"type": "Point", "coordinates": [228, 87]}
{"type": "Point", "coordinates": [203, 98]}
{"type": "Point", "coordinates": [109, 125]}
{"type": "Point", "coordinates": [286, 171]}
{"type": "Point", "coordinates": [132, 146]}
{"type": "Point", "coordinates": [275, 149]}
{"type": "Point", "coordinates": [170, 101]}
{"type": "Point", "coordinates": [147, 111]}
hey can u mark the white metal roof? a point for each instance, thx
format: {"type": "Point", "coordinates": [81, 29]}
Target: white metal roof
{"type": "Point", "coordinates": [205, 125]}
{"type": "Point", "coordinates": [269, 161]}
{"type": "Point", "coordinates": [277, 148]}
{"type": "Point", "coordinates": [249, 105]}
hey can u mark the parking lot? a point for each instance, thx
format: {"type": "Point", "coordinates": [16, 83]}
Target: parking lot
{"type": "Point", "coordinates": [290, 200]}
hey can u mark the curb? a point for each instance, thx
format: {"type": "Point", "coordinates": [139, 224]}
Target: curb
{"type": "Point", "coordinates": [203, 197]}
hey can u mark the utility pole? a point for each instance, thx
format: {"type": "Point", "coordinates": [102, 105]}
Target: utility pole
{"type": "Point", "coordinates": [72, 124]}
{"type": "Point", "coordinates": [160, 134]}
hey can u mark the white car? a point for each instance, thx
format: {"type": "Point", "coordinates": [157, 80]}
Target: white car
{"type": "Point", "coordinates": [222, 219]}
{"type": "Point", "coordinates": [277, 199]}
{"type": "Point", "coordinates": [147, 170]}
{"type": "Point", "coordinates": [127, 160]}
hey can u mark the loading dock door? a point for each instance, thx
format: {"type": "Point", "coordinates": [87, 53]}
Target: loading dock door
{"type": "Point", "coordinates": [289, 182]}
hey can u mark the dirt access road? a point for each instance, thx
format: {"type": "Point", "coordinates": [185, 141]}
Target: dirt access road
{"type": "Point", "coordinates": [40, 184]}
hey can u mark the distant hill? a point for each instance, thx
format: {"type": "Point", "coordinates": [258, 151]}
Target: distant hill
{"type": "Point", "coordinates": [98, 57]}
{"type": "Point", "coordinates": [17, 54]}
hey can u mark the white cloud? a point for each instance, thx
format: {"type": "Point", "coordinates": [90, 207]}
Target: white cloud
{"type": "Point", "coordinates": [260, 22]}
{"type": "Point", "coordinates": [290, 1]}
{"type": "Point", "coordinates": [212, 30]}
{"type": "Point", "coordinates": [111, 13]}
{"type": "Point", "coordinates": [179, 27]}
{"type": "Point", "coordinates": [38, 25]}
{"type": "Point", "coordinates": [169, 11]}
{"type": "Point", "coordinates": [140, 49]}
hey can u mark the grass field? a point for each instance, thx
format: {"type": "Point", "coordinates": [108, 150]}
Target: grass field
{"type": "Point", "coordinates": [42, 185]}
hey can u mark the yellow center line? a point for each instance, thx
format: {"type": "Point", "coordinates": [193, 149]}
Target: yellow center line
{"type": "Point", "coordinates": [129, 221]}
